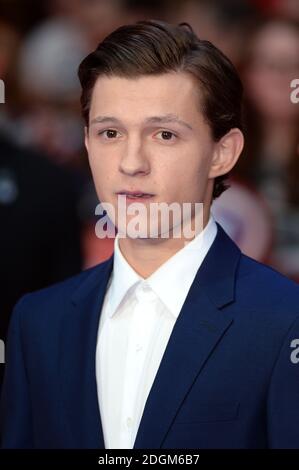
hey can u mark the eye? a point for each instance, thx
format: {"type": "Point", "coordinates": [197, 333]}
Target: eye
{"type": "Point", "coordinates": [167, 135]}
{"type": "Point", "coordinates": [109, 133]}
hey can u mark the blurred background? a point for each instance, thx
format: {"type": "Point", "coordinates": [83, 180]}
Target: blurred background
{"type": "Point", "coordinates": [47, 199]}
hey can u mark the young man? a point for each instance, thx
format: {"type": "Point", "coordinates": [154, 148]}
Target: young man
{"type": "Point", "coordinates": [170, 343]}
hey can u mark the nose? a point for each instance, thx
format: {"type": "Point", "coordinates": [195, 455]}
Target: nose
{"type": "Point", "coordinates": [134, 160]}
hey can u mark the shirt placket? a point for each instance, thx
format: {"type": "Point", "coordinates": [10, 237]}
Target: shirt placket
{"type": "Point", "coordinates": [138, 342]}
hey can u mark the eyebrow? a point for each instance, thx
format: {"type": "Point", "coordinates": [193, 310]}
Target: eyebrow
{"type": "Point", "coordinates": [167, 118]}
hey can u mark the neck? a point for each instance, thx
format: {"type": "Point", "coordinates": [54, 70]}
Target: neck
{"type": "Point", "coordinates": [146, 255]}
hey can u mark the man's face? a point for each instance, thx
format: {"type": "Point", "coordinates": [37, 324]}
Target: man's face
{"type": "Point", "coordinates": [147, 134]}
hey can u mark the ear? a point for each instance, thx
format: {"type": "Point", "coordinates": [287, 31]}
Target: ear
{"type": "Point", "coordinates": [86, 138]}
{"type": "Point", "coordinates": [226, 153]}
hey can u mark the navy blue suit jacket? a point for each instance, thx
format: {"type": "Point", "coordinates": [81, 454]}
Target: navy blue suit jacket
{"type": "Point", "coordinates": [229, 377]}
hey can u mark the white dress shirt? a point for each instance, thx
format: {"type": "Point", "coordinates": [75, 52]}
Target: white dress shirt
{"type": "Point", "coordinates": [135, 325]}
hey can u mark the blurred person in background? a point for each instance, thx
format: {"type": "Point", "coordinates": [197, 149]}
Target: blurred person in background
{"type": "Point", "coordinates": [39, 237]}
{"type": "Point", "coordinates": [40, 227]}
{"type": "Point", "coordinates": [271, 162]}
{"type": "Point", "coordinates": [226, 23]}
{"type": "Point", "coordinates": [49, 116]}
{"type": "Point", "coordinates": [288, 9]}
{"type": "Point", "coordinates": [9, 46]}
{"type": "Point", "coordinates": [95, 18]}
{"type": "Point", "coordinates": [246, 218]}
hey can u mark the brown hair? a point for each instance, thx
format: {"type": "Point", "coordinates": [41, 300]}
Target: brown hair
{"type": "Point", "coordinates": [155, 47]}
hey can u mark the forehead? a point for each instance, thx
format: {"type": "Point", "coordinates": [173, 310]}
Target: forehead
{"type": "Point", "coordinates": [176, 92]}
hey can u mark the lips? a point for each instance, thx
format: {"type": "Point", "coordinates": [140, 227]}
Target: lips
{"type": "Point", "coordinates": [135, 194]}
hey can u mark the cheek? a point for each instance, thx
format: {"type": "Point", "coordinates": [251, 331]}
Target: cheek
{"type": "Point", "coordinates": [95, 156]}
{"type": "Point", "coordinates": [101, 175]}
{"type": "Point", "coordinates": [191, 166]}
{"type": "Point", "coordinates": [101, 163]}
{"type": "Point", "coordinates": [193, 181]}
{"type": "Point", "coordinates": [186, 186]}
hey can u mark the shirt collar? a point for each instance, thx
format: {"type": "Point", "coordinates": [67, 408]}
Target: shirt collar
{"type": "Point", "coordinates": [123, 278]}
{"type": "Point", "coordinates": [172, 280]}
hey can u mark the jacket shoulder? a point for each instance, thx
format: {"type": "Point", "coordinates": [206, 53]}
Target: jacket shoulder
{"type": "Point", "coordinates": [60, 293]}
{"type": "Point", "coordinates": [263, 287]}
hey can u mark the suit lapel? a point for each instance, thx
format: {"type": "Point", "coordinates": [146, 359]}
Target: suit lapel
{"type": "Point", "coordinates": [77, 371]}
{"type": "Point", "coordinates": [196, 333]}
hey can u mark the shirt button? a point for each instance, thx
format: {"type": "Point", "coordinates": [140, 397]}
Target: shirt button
{"type": "Point", "coordinates": [138, 347]}
{"type": "Point", "coordinates": [129, 422]}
